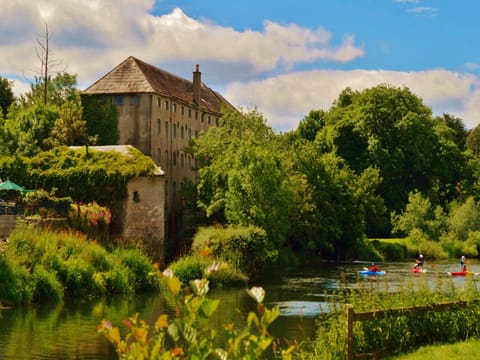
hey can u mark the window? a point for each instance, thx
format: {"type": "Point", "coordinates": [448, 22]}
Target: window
{"type": "Point", "coordinates": [174, 107]}
{"type": "Point", "coordinates": [166, 158]}
{"type": "Point", "coordinates": [216, 121]}
{"type": "Point", "coordinates": [196, 134]}
{"type": "Point", "coordinates": [158, 126]}
{"type": "Point", "coordinates": [181, 132]}
{"type": "Point", "coordinates": [174, 130]}
{"type": "Point", "coordinates": [174, 159]}
{"type": "Point", "coordinates": [159, 155]}
{"type": "Point", "coordinates": [182, 160]}
{"type": "Point", "coordinates": [166, 128]}
{"type": "Point", "coordinates": [209, 120]}
{"type": "Point", "coordinates": [189, 113]}
{"type": "Point", "coordinates": [189, 134]}
{"type": "Point", "coordinates": [166, 105]}
{"type": "Point", "coordinates": [135, 100]}
{"type": "Point", "coordinates": [196, 115]}
{"type": "Point", "coordinates": [118, 100]}
{"type": "Point", "coordinates": [183, 110]}
{"type": "Point", "coordinates": [158, 102]}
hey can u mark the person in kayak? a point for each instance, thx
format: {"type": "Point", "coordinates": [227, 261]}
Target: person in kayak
{"type": "Point", "coordinates": [420, 261]}
{"type": "Point", "coordinates": [374, 268]}
{"type": "Point", "coordinates": [463, 263]}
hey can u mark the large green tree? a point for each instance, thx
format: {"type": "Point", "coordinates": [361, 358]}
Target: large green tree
{"type": "Point", "coordinates": [390, 129]}
{"type": "Point", "coordinates": [241, 179]}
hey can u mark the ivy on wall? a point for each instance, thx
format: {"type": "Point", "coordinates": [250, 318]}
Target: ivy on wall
{"type": "Point", "coordinates": [84, 175]}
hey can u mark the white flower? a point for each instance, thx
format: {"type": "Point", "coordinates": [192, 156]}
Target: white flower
{"type": "Point", "coordinates": [168, 273]}
{"type": "Point", "coordinates": [200, 287]}
{"type": "Point", "coordinates": [257, 292]}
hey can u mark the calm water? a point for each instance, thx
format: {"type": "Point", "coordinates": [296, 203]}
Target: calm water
{"type": "Point", "coordinates": [68, 330]}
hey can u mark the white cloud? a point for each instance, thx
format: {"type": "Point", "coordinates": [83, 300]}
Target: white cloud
{"type": "Point", "coordinates": [91, 37]}
{"type": "Point", "coordinates": [286, 99]}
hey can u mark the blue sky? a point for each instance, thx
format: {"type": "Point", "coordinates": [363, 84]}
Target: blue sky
{"type": "Point", "coordinates": [282, 57]}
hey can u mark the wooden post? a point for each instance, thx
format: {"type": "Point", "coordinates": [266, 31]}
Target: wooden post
{"type": "Point", "coordinates": [349, 332]}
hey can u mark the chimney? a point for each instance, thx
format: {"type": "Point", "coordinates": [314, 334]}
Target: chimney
{"type": "Point", "coordinates": [197, 85]}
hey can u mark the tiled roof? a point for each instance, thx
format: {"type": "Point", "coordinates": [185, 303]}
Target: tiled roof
{"type": "Point", "coordinates": [136, 76]}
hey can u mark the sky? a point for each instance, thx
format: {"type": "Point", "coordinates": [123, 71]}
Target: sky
{"type": "Point", "coordinates": [283, 58]}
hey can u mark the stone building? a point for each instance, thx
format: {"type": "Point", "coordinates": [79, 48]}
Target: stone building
{"type": "Point", "coordinates": [141, 215]}
{"type": "Point", "coordinates": [159, 113]}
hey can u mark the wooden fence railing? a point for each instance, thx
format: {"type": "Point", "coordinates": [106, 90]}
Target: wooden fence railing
{"type": "Point", "coordinates": [353, 316]}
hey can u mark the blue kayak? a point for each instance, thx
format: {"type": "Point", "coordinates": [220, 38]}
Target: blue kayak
{"type": "Point", "coordinates": [370, 272]}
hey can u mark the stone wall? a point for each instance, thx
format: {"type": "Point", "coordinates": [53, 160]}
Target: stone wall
{"type": "Point", "coordinates": [143, 215]}
{"type": "Point", "coordinates": [7, 224]}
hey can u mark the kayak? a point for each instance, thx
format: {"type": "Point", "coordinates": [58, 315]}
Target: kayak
{"type": "Point", "coordinates": [419, 271]}
{"type": "Point", "coordinates": [370, 272]}
{"type": "Point", "coordinates": [461, 273]}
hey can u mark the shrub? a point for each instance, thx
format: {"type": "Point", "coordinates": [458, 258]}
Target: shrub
{"type": "Point", "coordinates": [139, 266]}
{"type": "Point", "coordinates": [46, 285]}
{"type": "Point", "coordinates": [15, 280]}
{"type": "Point", "coordinates": [38, 263]}
{"type": "Point", "coordinates": [191, 267]}
{"type": "Point", "coordinates": [245, 247]}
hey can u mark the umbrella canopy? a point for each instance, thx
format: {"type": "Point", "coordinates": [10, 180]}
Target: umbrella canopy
{"type": "Point", "coordinates": [10, 185]}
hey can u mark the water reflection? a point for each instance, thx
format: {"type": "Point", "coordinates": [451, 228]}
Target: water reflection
{"type": "Point", "coordinates": [68, 330]}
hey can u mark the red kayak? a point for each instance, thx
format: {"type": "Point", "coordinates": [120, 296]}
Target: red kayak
{"type": "Point", "coordinates": [461, 273]}
{"type": "Point", "coordinates": [417, 270]}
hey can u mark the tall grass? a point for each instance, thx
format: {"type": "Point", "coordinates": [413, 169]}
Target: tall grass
{"type": "Point", "coordinates": [41, 265]}
{"type": "Point", "coordinates": [399, 334]}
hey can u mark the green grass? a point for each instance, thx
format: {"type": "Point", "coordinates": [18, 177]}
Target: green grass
{"type": "Point", "coordinates": [467, 350]}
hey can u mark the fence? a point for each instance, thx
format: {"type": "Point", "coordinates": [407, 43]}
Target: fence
{"type": "Point", "coordinates": [353, 316]}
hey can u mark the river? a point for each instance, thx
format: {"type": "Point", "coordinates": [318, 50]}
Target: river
{"type": "Point", "coordinates": [67, 330]}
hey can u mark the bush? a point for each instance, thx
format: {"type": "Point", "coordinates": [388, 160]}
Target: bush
{"type": "Point", "coordinates": [15, 283]}
{"type": "Point", "coordinates": [140, 268]}
{"type": "Point", "coordinates": [38, 264]}
{"type": "Point", "coordinates": [246, 248]}
{"type": "Point", "coordinates": [46, 285]}
{"type": "Point", "coordinates": [192, 267]}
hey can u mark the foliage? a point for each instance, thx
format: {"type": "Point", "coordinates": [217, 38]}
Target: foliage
{"type": "Point", "coordinates": [421, 215]}
{"type": "Point", "coordinates": [391, 130]}
{"type": "Point", "coordinates": [101, 119]}
{"type": "Point", "coordinates": [92, 219]}
{"type": "Point", "coordinates": [191, 267]}
{"type": "Point", "coordinates": [6, 95]}
{"type": "Point", "coordinates": [69, 128]}
{"type": "Point", "coordinates": [398, 334]}
{"type": "Point", "coordinates": [242, 181]}
{"type": "Point", "coordinates": [40, 265]}
{"type": "Point", "coordinates": [246, 247]}
{"type": "Point", "coordinates": [45, 204]}
{"type": "Point", "coordinates": [437, 233]}
{"type": "Point", "coordinates": [61, 89]}
{"type": "Point", "coordinates": [188, 335]}
{"type": "Point", "coordinates": [26, 127]}
{"type": "Point", "coordinates": [87, 176]}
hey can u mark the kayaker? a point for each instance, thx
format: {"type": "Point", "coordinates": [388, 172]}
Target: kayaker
{"type": "Point", "coordinates": [420, 260]}
{"type": "Point", "coordinates": [463, 263]}
{"type": "Point", "coordinates": [374, 268]}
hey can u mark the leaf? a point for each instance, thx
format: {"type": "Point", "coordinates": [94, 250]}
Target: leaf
{"type": "Point", "coordinates": [162, 322]}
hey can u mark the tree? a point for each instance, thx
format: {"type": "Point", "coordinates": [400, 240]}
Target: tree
{"type": "Point", "coordinates": [473, 140]}
{"type": "Point", "coordinates": [6, 95]}
{"type": "Point", "coordinates": [47, 64]}
{"type": "Point", "coordinates": [460, 133]}
{"type": "Point", "coordinates": [69, 128]}
{"type": "Point", "coordinates": [391, 129]}
{"type": "Point", "coordinates": [241, 178]}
